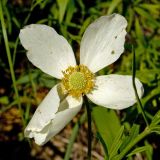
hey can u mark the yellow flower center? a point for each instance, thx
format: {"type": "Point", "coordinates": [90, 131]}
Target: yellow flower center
{"type": "Point", "coordinates": [78, 80]}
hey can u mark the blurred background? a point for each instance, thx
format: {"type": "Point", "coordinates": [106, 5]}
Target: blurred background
{"type": "Point", "coordinates": [70, 19]}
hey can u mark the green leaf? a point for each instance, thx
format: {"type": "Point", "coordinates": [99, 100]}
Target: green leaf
{"type": "Point", "coordinates": [113, 5]}
{"type": "Point", "coordinates": [156, 119]}
{"type": "Point", "coordinates": [133, 133]}
{"type": "Point", "coordinates": [139, 150]}
{"type": "Point", "coordinates": [130, 18]}
{"type": "Point", "coordinates": [154, 93]}
{"type": "Point", "coordinates": [70, 11]}
{"type": "Point", "coordinates": [154, 8]}
{"type": "Point", "coordinates": [25, 78]}
{"type": "Point", "coordinates": [139, 32]}
{"type": "Point", "coordinates": [149, 75]}
{"type": "Point", "coordinates": [107, 123]}
{"type": "Point", "coordinates": [146, 15]}
{"type": "Point", "coordinates": [155, 130]}
{"type": "Point", "coordinates": [149, 152]}
{"type": "Point", "coordinates": [116, 143]}
{"type": "Point", "coordinates": [62, 4]}
{"type": "Point", "coordinates": [54, 12]}
{"type": "Point", "coordinates": [84, 25]}
{"type": "Point", "coordinates": [47, 81]}
{"type": "Point", "coordinates": [4, 100]}
{"type": "Point", "coordinates": [103, 144]}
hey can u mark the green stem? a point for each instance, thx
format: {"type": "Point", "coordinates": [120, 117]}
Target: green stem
{"type": "Point", "coordinates": [32, 84]}
{"type": "Point", "coordinates": [89, 127]}
{"type": "Point", "coordinates": [29, 14]}
{"type": "Point", "coordinates": [73, 137]}
{"type": "Point", "coordinates": [15, 50]}
{"type": "Point", "coordinates": [133, 143]}
{"type": "Point", "coordinates": [135, 89]}
{"type": "Point", "coordinates": [10, 60]}
{"type": "Point", "coordinates": [33, 5]}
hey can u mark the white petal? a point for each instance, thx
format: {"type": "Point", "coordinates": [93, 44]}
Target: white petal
{"type": "Point", "coordinates": [47, 50]}
{"type": "Point", "coordinates": [103, 42]}
{"type": "Point", "coordinates": [115, 91]}
{"type": "Point", "coordinates": [51, 116]}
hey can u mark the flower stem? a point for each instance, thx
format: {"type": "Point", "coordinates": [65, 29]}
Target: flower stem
{"type": "Point", "coordinates": [135, 89]}
{"type": "Point", "coordinates": [89, 127]}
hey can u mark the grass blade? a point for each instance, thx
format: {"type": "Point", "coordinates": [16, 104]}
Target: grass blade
{"type": "Point", "coordinates": [10, 60]}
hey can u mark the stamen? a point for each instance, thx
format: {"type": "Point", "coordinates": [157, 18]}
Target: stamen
{"type": "Point", "coordinates": [78, 80]}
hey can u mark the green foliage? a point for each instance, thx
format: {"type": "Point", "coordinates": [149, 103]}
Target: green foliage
{"type": "Point", "coordinates": [107, 123]}
{"type": "Point", "coordinates": [62, 4]}
{"type": "Point", "coordinates": [116, 131]}
{"type": "Point", "coordinates": [133, 133]}
{"type": "Point", "coordinates": [139, 150]}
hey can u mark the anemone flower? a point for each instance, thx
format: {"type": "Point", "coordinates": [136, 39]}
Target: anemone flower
{"type": "Point", "coordinates": [101, 45]}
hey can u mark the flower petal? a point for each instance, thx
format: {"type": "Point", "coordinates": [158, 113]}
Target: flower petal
{"type": "Point", "coordinates": [47, 50]}
{"type": "Point", "coordinates": [103, 42]}
{"type": "Point", "coordinates": [115, 91]}
{"type": "Point", "coordinates": [51, 116]}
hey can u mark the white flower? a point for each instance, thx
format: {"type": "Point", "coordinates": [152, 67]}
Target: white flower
{"type": "Point", "coordinates": [101, 45]}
